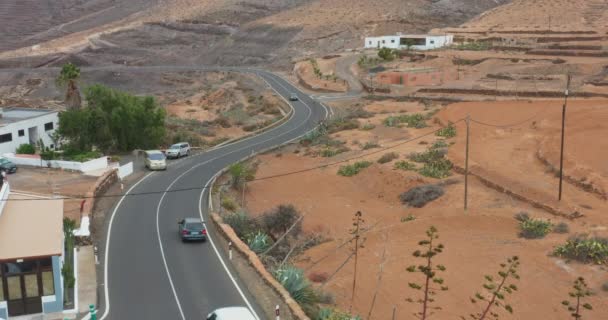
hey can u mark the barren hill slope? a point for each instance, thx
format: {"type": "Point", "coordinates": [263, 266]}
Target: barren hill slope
{"type": "Point", "coordinates": [229, 31]}
{"type": "Point", "coordinates": [556, 15]}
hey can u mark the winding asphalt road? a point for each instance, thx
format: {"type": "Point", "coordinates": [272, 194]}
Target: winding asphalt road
{"type": "Point", "coordinates": [149, 273]}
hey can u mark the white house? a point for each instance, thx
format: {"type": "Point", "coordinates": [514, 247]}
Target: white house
{"type": "Point", "coordinates": [416, 41]}
{"type": "Point", "coordinates": [22, 125]}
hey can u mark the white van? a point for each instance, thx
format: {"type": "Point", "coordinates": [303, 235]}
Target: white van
{"type": "Point", "coordinates": [155, 160]}
{"type": "Point", "coordinates": [231, 313]}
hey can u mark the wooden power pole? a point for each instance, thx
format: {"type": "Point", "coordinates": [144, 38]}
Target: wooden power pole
{"type": "Point", "coordinates": [561, 154]}
{"type": "Point", "coordinates": [357, 221]}
{"type": "Point", "coordinates": [466, 166]}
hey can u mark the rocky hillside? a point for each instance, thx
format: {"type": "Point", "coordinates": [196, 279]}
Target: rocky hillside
{"type": "Point", "coordinates": [229, 32]}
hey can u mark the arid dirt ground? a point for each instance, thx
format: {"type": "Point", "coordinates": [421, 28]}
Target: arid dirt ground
{"type": "Point", "coordinates": [476, 240]}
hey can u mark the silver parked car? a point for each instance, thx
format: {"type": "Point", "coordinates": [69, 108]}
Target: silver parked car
{"type": "Point", "coordinates": [155, 160]}
{"type": "Point", "coordinates": [178, 150]}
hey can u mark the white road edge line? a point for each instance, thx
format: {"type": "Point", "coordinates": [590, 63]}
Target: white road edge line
{"type": "Point", "coordinates": [217, 253]}
{"type": "Point", "coordinates": [107, 249]}
{"type": "Point", "coordinates": [106, 293]}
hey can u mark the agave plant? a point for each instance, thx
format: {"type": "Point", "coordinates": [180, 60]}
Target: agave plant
{"type": "Point", "coordinates": [296, 284]}
{"type": "Point", "coordinates": [258, 242]}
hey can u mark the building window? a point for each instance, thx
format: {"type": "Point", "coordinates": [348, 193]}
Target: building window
{"type": "Point", "coordinates": [48, 126]}
{"type": "Point", "coordinates": [6, 137]}
{"type": "Point", "coordinates": [432, 41]}
{"type": "Point", "coordinates": [370, 42]}
{"type": "Point", "coordinates": [383, 41]}
{"type": "Point", "coordinates": [2, 289]}
{"type": "Point", "coordinates": [21, 132]}
{"type": "Point", "coordinates": [48, 283]}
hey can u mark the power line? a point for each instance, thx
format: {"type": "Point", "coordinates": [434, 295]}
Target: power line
{"type": "Point", "coordinates": [256, 179]}
{"type": "Point", "coordinates": [511, 124]}
{"type": "Point", "coordinates": [280, 175]}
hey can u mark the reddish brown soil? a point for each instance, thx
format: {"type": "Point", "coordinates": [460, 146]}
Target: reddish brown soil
{"type": "Point", "coordinates": [513, 156]}
{"type": "Point", "coordinates": [476, 240]}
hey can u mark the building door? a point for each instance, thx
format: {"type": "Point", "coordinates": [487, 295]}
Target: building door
{"type": "Point", "coordinates": [33, 135]}
{"type": "Point", "coordinates": [23, 294]}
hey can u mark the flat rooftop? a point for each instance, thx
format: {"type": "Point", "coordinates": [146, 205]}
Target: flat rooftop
{"type": "Point", "coordinates": [12, 115]}
{"type": "Point", "coordinates": [30, 227]}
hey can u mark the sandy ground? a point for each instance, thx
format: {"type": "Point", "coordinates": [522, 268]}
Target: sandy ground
{"type": "Point", "coordinates": [305, 72]}
{"type": "Point", "coordinates": [557, 15]}
{"type": "Point", "coordinates": [504, 154]}
{"type": "Point", "coordinates": [220, 96]}
{"type": "Point", "coordinates": [49, 182]}
{"type": "Point", "coordinates": [476, 241]}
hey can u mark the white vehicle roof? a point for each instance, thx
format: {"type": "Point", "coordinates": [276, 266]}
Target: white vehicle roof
{"type": "Point", "coordinates": [153, 152]}
{"type": "Point", "coordinates": [234, 313]}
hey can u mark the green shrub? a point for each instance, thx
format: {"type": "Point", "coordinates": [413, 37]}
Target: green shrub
{"type": "Point", "coordinates": [411, 121]}
{"type": "Point", "coordinates": [447, 132]}
{"type": "Point", "coordinates": [388, 157]}
{"type": "Point", "coordinates": [241, 223]}
{"type": "Point", "coordinates": [81, 157]}
{"type": "Point", "coordinates": [428, 156]}
{"type": "Point", "coordinates": [386, 54]}
{"type": "Point", "coordinates": [330, 152]}
{"type": "Point", "coordinates": [605, 287]}
{"type": "Point", "coordinates": [534, 228]}
{"type": "Point", "coordinates": [440, 144]}
{"type": "Point", "coordinates": [404, 165]}
{"type": "Point", "coordinates": [228, 204]}
{"type": "Point", "coordinates": [240, 173]}
{"type": "Point", "coordinates": [341, 124]}
{"type": "Point", "coordinates": [367, 127]}
{"type": "Point", "coordinates": [437, 169]}
{"type": "Point", "coordinates": [258, 242]}
{"type": "Point", "coordinates": [474, 46]}
{"type": "Point", "coordinates": [26, 148]}
{"type": "Point", "coordinates": [409, 217]}
{"type": "Point", "coordinates": [313, 136]}
{"type": "Point", "coordinates": [353, 169]}
{"type": "Point", "coordinates": [331, 314]}
{"type": "Point", "coordinates": [294, 281]}
{"type": "Point", "coordinates": [561, 227]}
{"type": "Point", "coordinates": [584, 249]}
{"type": "Point", "coordinates": [370, 145]}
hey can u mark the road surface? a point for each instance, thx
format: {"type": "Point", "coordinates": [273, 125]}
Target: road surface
{"type": "Point", "coordinates": [149, 273]}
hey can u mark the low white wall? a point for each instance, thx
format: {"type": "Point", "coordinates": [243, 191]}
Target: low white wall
{"type": "Point", "coordinates": [91, 165]}
{"type": "Point", "coordinates": [125, 170]}
{"type": "Point", "coordinates": [4, 192]}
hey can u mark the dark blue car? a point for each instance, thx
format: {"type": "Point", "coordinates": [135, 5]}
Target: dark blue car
{"type": "Point", "coordinates": [192, 229]}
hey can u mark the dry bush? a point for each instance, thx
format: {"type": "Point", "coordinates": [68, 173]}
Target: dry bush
{"type": "Point", "coordinates": [419, 196]}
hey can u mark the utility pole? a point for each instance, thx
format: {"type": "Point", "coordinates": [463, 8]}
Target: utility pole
{"type": "Point", "coordinates": [466, 166]}
{"type": "Point", "coordinates": [243, 195]}
{"type": "Point", "coordinates": [561, 155]}
{"type": "Point", "coordinates": [357, 221]}
{"type": "Point", "coordinates": [394, 312]}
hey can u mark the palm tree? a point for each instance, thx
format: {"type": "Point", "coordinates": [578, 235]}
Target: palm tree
{"type": "Point", "coordinates": [68, 77]}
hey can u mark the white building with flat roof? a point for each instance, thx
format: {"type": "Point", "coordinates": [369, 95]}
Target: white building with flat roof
{"type": "Point", "coordinates": [23, 125]}
{"type": "Point", "coordinates": [416, 41]}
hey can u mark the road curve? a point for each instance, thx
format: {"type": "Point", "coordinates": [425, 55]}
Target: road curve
{"type": "Point", "coordinates": [148, 272]}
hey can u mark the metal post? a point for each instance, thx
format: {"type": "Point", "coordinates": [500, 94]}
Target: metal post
{"type": "Point", "coordinates": [277, 312]}
{"type": "Point", "coordinates": [466, 166]}
{"type": "Point", "coordinates": [243, 195]}
{"type": "Point", "coordinates": [93, 312]}
{"type": "Point", "coordinates": [230, 250]}
{"type": "Point", "coordinates": [561, 156]}
{"type": "Point", "coordinates": [394, 312]}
